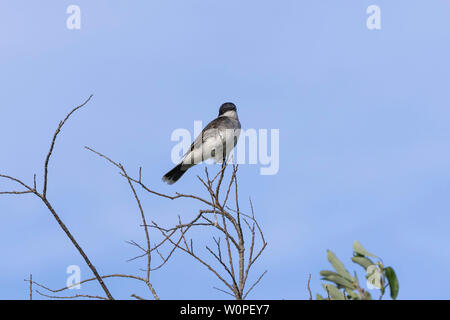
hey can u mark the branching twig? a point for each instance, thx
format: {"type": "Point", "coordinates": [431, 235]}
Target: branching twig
{"type": "Point", "coordinates": [44, 199]}
{"type": "Point", "coordinates": [229, 226]}
{"type": "Point", "coordinates": [142, 214]}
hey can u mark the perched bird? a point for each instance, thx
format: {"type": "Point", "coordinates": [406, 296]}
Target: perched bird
{"type": "Point", "coordinates": [216, 141]}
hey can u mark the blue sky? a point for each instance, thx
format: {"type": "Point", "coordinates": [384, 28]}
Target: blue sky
{"type": "Point", "coordinates": [363, 119]}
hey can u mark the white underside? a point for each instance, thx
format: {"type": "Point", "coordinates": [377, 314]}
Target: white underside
{"type": "Point", "coordinates": [205, 151]}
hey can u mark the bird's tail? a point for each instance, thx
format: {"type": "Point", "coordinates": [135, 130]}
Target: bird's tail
{"type": "Point", "coordinates": [175, 174]}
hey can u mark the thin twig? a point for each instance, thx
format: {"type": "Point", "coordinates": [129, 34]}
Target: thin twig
{"type": "Point", "coordinates": [52, 146]}
{"type": "Point", "coordinates": [72, 297]}
{"type": "Point", "coordinates": [308, 286]}
{"type": "Point", "coordinates": [31, 286]}
{"type": "Point", "coordinates": [256, 282]}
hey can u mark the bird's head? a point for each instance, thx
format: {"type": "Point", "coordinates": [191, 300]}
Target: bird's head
{"type": "Point", "coordinates": [228, 109]}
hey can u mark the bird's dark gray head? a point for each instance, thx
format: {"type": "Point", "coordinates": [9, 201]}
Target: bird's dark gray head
{"type": "Point", "coordinates": [226, 107]}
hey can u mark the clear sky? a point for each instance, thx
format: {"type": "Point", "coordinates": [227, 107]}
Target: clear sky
{"type": "Point", "coordinates": [363, 118]}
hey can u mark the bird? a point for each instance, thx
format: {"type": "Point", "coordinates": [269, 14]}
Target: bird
{"type": "Point", "coordinates": [215, 141]}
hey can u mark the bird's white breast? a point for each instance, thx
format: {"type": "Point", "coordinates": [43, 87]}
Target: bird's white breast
{"type": "Point", "coordinates": [213, 147]}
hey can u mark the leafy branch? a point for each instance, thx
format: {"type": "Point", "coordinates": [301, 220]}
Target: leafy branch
{"type": "Point", "coordinates": [343, 286]}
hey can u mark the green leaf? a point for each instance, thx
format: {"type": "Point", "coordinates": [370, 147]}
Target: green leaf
{"type": "Point", "coordinates": [339, 280]}
{"type": "Point", "coordinates": [338, 266]}
{"type": "Point", "coordinates": [362, 261]}
{"type": "Point", "coordinates": [325, 273]}
{"type": "Point", "coordinates": [319, 297]}
{"type": "Point", "coordinates": [359, 249]}
{"type": "Point", "coordinates": [393, 281]}
{"type": "Point", "coordinates": [334, 292]}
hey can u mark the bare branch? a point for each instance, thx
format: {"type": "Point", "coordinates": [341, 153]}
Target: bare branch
{"type": "Point", "coordinates": [72, 297]}
{"type": "Point", "coordinates": [254, 285]}
{"type": "Point", "coordinates": [15, 192]}
{"type": "Point", "coordinates": [17, 181]}
{"type": "Point", "coordinates": [142, 215]}
{"type": "Point", "coordinates": [230, 227]}
{"type": "Point", "coordinates": [52, 146]}
{"type": "Point", "coordinates": [224, 291]}
{"type": "Point", "coordinates": [44, 199]}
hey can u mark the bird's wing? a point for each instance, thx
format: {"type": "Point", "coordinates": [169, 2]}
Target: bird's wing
{"type": "Point", "coordinates": [207, 132]}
